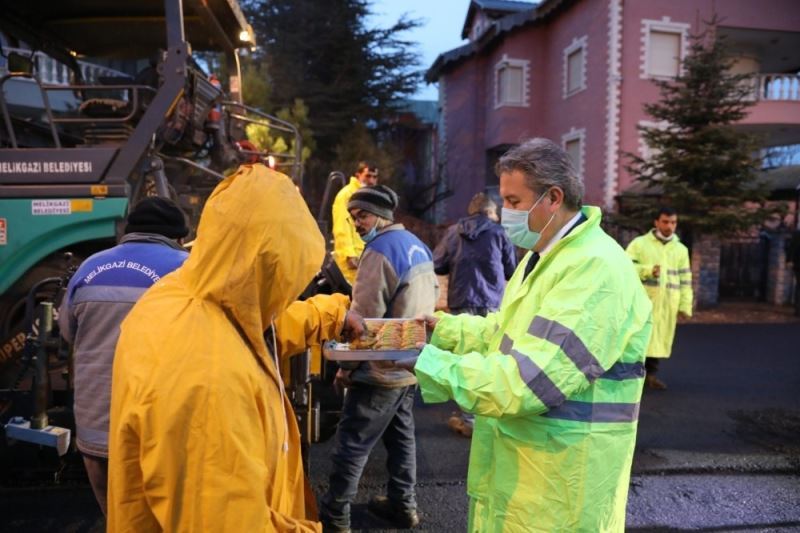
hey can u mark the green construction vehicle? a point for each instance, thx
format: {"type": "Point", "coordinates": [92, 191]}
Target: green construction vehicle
{"type": "Point", "coordinates": [101, 104]}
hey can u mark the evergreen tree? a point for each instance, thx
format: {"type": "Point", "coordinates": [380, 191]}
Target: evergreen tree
{"type": "Point", "coordinates": [323, 53]}
{"type": "Point", "coordinates": [699, 164]}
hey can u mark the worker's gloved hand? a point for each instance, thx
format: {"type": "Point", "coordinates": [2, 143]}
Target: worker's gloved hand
{"type": "Point", "coordinates": [342, 380]}
{"type": "Point", "coordinates": [352, 262]}
{"type": "Point", "coordinates": [656, 271]}
{"type": "Point", "coordinates": [354, 326]}
{"type": "Point", "coordinates": [407, 364]}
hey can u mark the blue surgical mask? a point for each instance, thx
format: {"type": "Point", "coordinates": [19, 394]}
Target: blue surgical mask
{"type": "Point", "coordinates": [370, 234]}
{"type": "Point", "coordinates": [515, 223]}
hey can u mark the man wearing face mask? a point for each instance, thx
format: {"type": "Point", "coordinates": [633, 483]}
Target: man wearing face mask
{"type": "Point", "coordinates": [555, 376]}
{"type": "Point", "coordinates": [662, 262]}
{"type": "Point", "coordinates": [395, 279]}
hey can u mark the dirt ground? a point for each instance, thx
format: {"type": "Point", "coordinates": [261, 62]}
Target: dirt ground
{"type": "Point", "coordinates": [724, 313]}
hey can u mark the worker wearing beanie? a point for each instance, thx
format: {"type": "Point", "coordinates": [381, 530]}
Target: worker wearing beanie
{"type": "Point", "coordinates": [395, 279]}
{"type": "Point", "coordinates": [99, 296]}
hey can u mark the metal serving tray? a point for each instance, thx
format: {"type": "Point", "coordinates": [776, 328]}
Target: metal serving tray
{"type": "Point", "coordinates": [341, 351]}
{"type": "Point", "coordinates": [337, 351]}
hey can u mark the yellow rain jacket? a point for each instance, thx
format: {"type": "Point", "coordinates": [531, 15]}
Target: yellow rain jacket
{"type": "Point", "coordinates": [203, 437]}
{"type": "Point", "coordinates": [670, 293]}
{"type": "Point", "coordinates": [346, 240]}
{"type": "Point", "coordinates": [555, 378]}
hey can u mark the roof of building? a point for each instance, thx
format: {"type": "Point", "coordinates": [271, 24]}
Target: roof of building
{"type": "Point", "coordinates": [535, 13]}
{"type": "Point", "coordinates": [426, 111]}
{"type": "Point", "coordinates": [493, 8]}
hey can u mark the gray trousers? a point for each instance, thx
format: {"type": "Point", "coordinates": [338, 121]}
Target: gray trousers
{"type": "Point", "coordinates": [97, 470]}
{"type": "Point", "coordinates": [371, 413]}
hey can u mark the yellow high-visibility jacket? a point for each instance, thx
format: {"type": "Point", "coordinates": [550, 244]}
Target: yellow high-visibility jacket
{"type": "Point", "coordinates": [346, 240]}
{"type": "Point", "coordinates": [203, 437]}
{"type": "Point", "coordinates": [670, 293]}
{"type": "Point", "coordinates": [554, 378]}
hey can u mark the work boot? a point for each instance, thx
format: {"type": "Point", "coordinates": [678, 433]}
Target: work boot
{"type": "Point", "coordinates": [653, 382]}
{"type": "Point", "coordinates": [457, 424]}
{"type": "Point", "coordinates": [381, 506]}
{"type": "Point", "coordinates": [328, 526]}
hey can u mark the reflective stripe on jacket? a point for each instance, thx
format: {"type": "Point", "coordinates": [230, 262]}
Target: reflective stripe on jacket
{"type": "Point", "coordinates": [346, 240]}
{"type": "Point", "coordinates": [670, 293]}
{"type": "Point", "coordinates": [555, 377]}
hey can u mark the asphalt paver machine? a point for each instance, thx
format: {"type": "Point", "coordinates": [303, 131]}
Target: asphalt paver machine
{"type": "Point", "coordinates": [101, 104]}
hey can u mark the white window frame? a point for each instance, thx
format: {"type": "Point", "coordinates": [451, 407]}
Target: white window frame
{"type": "Point", "coordinates": [577, 44]}
{"type": "Point", "coordinates": [511, 62]}
{"type": "Point", "coordinates": [575, 134]}
{"type": "Point", "coordinates": [664, 25]}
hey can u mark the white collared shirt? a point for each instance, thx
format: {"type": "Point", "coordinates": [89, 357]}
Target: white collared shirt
{"type": "Point", "coordinates": [563, 231]}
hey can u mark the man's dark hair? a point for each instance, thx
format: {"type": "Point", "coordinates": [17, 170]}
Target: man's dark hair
{"type": "Point", "coordinates": [665, 210]}
{"type": "Point", "coordinates": [545, 165]}
{"type": "Point", "coordinates": [362, 165]}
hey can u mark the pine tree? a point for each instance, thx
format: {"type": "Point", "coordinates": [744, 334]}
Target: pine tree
{"type": "Point", "coordinates": [699, 163]}
{"type": "Point", "coordinates": [348, 75]}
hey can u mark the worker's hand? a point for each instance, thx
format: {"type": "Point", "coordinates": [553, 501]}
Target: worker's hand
{"type": "Point", "coordinates": [342, 380]}
{"type": "Point", "coordinates": [683, 316]}
{"type": "Point", "coordinates": [656, 271]}
{"type": "Point", "coordinates": [354, 326]}
{"type": "Point", "coordinates": [407, 364]}
{"type": "Point", "coordinates": [430, 322]}
{"type": "Point", "coordinates": [352, 262]}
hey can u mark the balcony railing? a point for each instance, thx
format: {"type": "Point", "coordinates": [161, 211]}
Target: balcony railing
{"type": "Point", "coordinates": [777, 87]}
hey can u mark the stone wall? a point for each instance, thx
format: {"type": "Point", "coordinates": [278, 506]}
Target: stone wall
{"type": "Point", "coordinates": [705, 272]}
{"type": "Point", "coordinates": [779, 275]}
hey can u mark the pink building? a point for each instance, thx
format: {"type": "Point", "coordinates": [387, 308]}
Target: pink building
{"type": "Point", "coordinates": [579, 72]}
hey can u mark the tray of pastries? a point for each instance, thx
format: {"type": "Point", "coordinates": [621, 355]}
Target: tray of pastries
{"type": "Point", "coordinates": [385, 339]}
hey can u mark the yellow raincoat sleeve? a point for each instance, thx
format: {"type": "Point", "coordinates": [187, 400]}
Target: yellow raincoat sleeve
{"type": "Point", "coordinates": [583, 313]}
{"type": "Point", "coordinates": [464, 333]}
{"type": "Point", "coordinates": [307, 324]}
{"type": "Point", "coordinates": [344, 232]}
{"type": "Point", "coordinates": [645, 270]}
{"type": "Point", "coordinates": [685, 274]}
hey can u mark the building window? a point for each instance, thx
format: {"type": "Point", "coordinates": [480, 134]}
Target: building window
{"type": "Point", "coordinates": [511, 83]}
{"type": "Point", "coordinates": [663, 48]}
{"type": "Point", "coordinates": [575, 67]}
{"type": "Point", "coordinates": [574, 143]}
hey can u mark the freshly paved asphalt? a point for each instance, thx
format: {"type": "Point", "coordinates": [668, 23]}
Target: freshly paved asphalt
{"type": "Point", "coordinates": [719, 450]}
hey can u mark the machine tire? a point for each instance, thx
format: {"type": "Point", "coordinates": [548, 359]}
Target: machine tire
{"type": "Point", "coordinates": [12, 314]}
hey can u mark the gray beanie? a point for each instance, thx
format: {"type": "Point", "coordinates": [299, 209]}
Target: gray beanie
{"type": "Point", "coordinates": [379, 200]}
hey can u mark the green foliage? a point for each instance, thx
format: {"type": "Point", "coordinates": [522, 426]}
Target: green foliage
{"type": "Point", "coordinates": [255, 84]}
{"type": "Point", "coordinates": [360, 145]}
{"type": "Point", "coordinates": [347, 74]}
{"type": "Point", "coordinates": [699, 163]}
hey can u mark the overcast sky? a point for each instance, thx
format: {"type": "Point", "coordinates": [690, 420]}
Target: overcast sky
{"type": "Point", "coordinates": [439, 32]}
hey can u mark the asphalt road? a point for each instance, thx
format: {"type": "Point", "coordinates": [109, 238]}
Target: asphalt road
{"type": "Point", "coordinates": [719, 450]}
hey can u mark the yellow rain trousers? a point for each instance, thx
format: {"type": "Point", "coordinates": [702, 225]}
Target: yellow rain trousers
{"type": "Point", "coordinates": [203, 437]}
{"type": "Point", "coordinates": [670, 293]}
{"type": "Point", "coordinates": [555, 378]}
{"type": "Point", "coordinates": [346, 240]}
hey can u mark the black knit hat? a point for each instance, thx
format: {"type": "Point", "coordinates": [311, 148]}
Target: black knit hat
{"type": "Point", "coordinates": [157, 215]}
{"type": "Point", "coordinates": [379, 200]}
